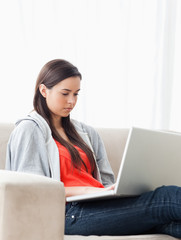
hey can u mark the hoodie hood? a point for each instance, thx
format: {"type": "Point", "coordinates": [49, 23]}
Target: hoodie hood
{"type": "Point", "coordinates": [40, 121]}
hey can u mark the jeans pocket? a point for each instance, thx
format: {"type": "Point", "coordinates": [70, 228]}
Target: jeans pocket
{"type": "Point", "coordinates": [69, 208]}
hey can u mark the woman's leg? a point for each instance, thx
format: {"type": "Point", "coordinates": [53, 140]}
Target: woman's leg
{"type": "Point", "coordinates": [172, 229]}
{"type": "Point", "coordinates": [158, 211]}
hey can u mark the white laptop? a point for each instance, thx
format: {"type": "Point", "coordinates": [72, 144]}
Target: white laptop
{"type": "Point", "coordinates": [151, 159]}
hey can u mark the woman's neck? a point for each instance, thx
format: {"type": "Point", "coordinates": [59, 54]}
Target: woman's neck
{"type": "Point", "coordinates": [57, 123]}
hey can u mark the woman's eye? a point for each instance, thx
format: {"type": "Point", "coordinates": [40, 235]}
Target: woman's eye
{"type": "Point", "coordinates": [66, 94]}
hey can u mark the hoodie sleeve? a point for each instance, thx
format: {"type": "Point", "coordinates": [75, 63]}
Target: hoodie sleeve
{"type": "Point", "coordinates": [26, 150]}
{"type": "Point", "coordinates": [107, 175]}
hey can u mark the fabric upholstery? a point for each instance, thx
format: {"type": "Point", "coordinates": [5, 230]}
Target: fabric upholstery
{"type": "Point", "coordinates": [5, 130]}
{"type": "Point", "coordinates": [133, 237]}
{"type": "Point", "coordinates": [31, 207]}
{"type": "Point", "coordinates": [114, 141]}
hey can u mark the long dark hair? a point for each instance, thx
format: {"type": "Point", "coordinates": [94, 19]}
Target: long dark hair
{"type": "Point", "coordinates": [52, 73]}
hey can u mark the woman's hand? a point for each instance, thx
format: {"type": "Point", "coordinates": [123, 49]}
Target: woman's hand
{"type": "Point", "coordinates": [73, 191]}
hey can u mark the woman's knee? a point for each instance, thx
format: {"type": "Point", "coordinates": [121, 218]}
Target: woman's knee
{"type": "Point", "coordinates": [168, 193]}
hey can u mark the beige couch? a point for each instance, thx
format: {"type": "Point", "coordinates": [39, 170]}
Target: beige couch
{"type": "Point", "coordinates": [32, 207]}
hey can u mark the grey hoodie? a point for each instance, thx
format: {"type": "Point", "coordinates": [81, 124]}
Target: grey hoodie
{"type": "Point", "coordinates": [31, 148]}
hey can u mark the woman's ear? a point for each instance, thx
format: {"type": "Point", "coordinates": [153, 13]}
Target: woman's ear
{"type": "Point", "coordinates": [43, 90]}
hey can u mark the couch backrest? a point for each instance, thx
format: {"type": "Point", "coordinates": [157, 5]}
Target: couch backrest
{"type": "Point", "coordinates": [114, 140]}
{"type": "Point", "coordinates": [5, 130]}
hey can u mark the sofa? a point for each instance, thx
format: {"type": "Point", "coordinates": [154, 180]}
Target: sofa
{"type": "Point", "coordinates": [32, 207]}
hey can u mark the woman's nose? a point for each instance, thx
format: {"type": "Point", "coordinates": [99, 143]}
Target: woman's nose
{"type": "Point", "coordinates": [71, 100]}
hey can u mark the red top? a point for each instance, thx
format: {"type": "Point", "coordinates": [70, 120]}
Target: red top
{"type": "Point", "coordinates": [71, 176]}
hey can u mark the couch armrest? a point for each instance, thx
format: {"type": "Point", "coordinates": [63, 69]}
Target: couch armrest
{"type": "Point", "coordinates": [32, 207]}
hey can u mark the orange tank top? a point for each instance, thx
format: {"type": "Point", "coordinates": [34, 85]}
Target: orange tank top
{"type": "Point", "coordinates": [71, 176]}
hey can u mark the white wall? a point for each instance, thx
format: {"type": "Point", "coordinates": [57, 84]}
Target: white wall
{"type": "Point", "coordinates": [128, 52]}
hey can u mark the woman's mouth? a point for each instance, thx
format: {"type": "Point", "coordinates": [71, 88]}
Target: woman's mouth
{"type": "Point", "coordinates": [68, 109]}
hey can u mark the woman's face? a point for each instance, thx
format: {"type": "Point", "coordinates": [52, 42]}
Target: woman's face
{"type": "Point", "coordinates": [61, 98]}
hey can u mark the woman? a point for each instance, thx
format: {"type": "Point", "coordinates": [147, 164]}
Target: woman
{"type": "Point", "coordinates": [48, 143]}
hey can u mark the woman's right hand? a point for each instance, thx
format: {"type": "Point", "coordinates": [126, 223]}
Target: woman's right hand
{"type": "Point", "coordinates": [73, 191]}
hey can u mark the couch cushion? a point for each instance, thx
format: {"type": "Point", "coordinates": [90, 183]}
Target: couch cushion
{"type": "Point", "coordinates": [5, 130]}
{"type": "Point", "coordinates": [131, 237]}
{"type": "Point", "coordinates": [114, 140]}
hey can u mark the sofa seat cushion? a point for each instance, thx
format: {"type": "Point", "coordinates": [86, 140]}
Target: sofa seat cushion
{"type": "Point", "coordinates": [131, 237]}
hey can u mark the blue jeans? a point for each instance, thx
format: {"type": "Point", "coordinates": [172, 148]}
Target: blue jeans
{"type": "Point", "coordinates": [158, 211]}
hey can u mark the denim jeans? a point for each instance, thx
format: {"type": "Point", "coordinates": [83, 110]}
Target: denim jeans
{"type": "Point", "coordinates": [158, 211]}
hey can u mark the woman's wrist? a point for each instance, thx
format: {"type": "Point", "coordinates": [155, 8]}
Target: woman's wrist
{"type": "Point", "coordinates": [73, 191]}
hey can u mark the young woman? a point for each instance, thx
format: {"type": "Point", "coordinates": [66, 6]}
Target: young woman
{"type": "Point", "coordinates": [47, 142]}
